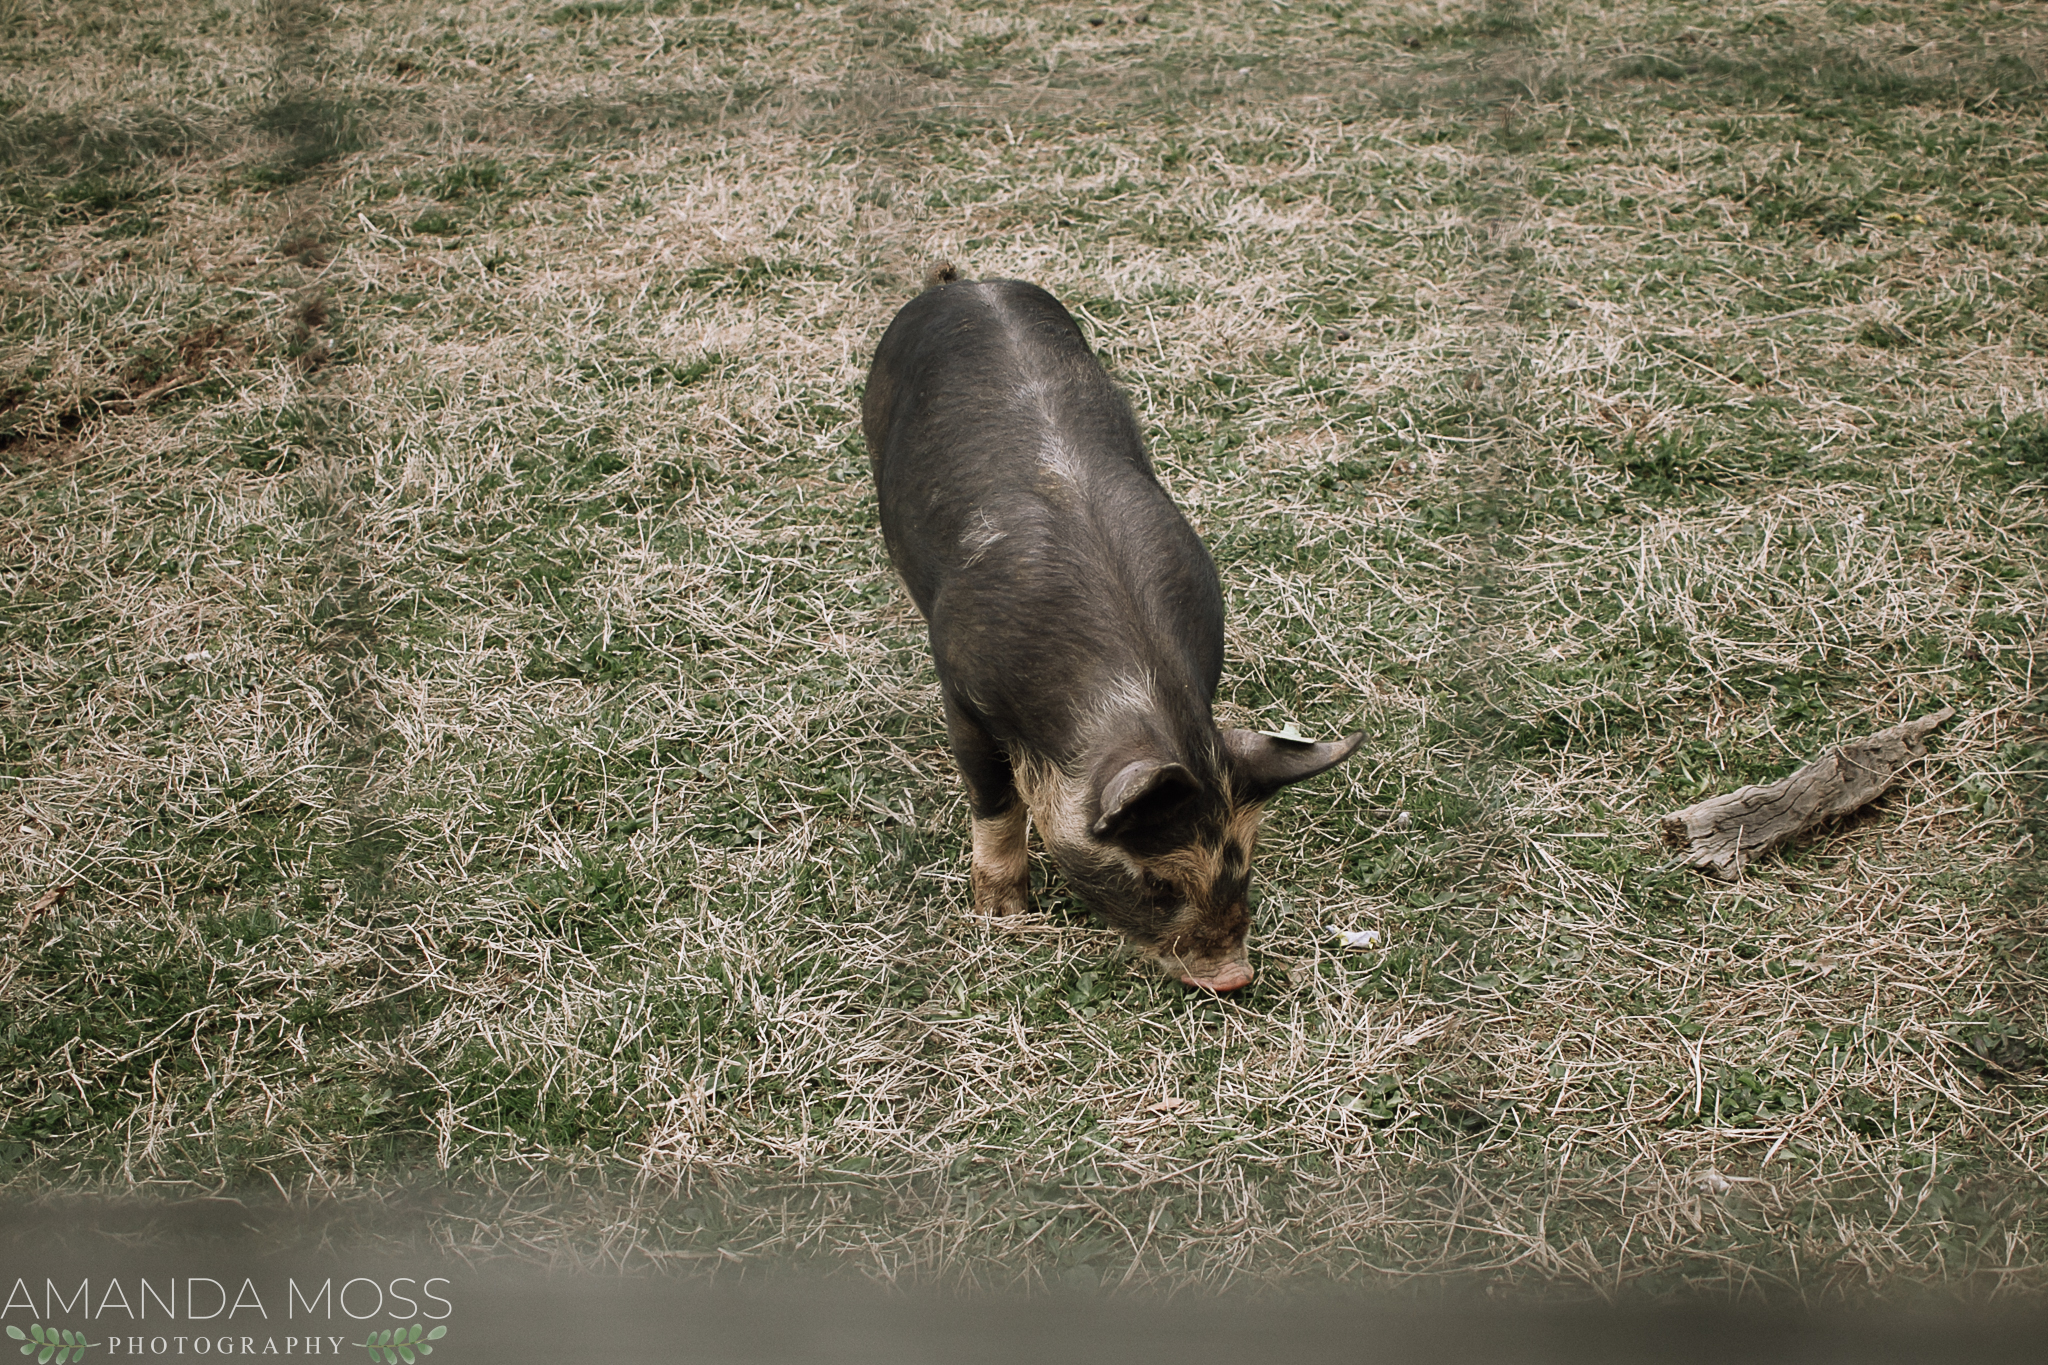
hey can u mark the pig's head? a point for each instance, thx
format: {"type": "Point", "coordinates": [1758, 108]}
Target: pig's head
{"type": "Point", "coordinates": [1161, 847]}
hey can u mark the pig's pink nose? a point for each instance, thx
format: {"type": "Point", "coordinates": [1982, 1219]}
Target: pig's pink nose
{"type": "Point", "coordinates": [1230, 978]}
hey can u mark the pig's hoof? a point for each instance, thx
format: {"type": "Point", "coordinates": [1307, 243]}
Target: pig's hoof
{"type": "Point", "coordinates": [1232, 976]}
{"type": "Point", "coordinates": [1001, 900]}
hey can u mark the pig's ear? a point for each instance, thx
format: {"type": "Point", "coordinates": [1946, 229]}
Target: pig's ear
{"type": "Point", "coordinates": [1145, 787]}
{"type": "Point", "coordinates": [1262, 764]}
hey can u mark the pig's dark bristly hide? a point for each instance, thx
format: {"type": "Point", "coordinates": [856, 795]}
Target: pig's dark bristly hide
{"type": "Point", "coordinates": [1076, 621]}
{"type": "Point", "coordinates": [1053, 571]}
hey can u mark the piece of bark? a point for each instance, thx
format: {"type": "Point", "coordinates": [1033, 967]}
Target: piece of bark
{"type": "Point", "coordinates": [1723, 833]}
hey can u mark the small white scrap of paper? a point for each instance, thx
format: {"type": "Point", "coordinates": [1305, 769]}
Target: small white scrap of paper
{"type": "Point", "coordinates": [1355, 938]}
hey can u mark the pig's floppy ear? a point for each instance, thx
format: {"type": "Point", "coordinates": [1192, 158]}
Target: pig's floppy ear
{"type": "Point", "coordinates": [1261, 764]}
{"type": "Point", "coordinates": [1145, 785]}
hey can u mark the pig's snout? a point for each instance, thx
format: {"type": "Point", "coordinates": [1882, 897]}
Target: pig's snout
{"type": "Point", "coordinates": [1229, 977]}
{"type": "Point", "coordinates": [1228, 970]}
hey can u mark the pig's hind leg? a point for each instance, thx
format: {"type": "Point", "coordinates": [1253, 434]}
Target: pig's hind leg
{"type": "Point", "coordinates": [998, 868]}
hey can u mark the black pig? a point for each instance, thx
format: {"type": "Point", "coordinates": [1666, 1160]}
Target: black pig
{"type": "Point", "coordinates": [1076, 623]}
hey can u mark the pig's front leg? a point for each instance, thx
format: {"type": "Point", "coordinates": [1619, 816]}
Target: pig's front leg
{"type": "Point", "coordinates": [998, 868]}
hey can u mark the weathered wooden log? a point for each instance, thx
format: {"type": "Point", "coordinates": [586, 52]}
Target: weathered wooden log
{"type": "Point", "coordinates": [1723, 833]}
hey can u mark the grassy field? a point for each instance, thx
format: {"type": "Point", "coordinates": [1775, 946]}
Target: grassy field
{"type": "Point", "coordinates": [458, 726]}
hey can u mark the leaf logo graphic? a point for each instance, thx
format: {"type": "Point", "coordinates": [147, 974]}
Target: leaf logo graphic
{"type": "Point", "coordinates": [51, 1343]}
{"type": "Point", "coordinates": [406, 1344]}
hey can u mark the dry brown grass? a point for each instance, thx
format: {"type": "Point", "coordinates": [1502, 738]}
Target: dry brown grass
{"type": "Point", "coordinates": [461, 723]}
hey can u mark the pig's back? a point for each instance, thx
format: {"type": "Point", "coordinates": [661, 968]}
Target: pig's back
{"type": "Point", "coordinates": [1023, 513]}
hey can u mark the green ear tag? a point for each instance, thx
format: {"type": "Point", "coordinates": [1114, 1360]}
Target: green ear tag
{"type": "Point", "coordinates": [1291, 734]}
